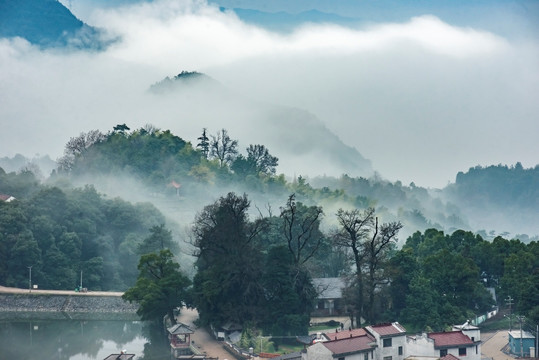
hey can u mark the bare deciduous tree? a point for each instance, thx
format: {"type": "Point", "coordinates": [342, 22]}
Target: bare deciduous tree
{"type": "Point", "coordinates": [223, 148]}
{"type": "Point", "coordinates": [301, 229]}
{"type": "Point", "coordinates": [77, 146]}
{"type": "Point", "coordinates": [369, 243]}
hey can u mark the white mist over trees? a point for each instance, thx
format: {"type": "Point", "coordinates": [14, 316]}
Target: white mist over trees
{"type": "Point", "coordinates": [437, 94]}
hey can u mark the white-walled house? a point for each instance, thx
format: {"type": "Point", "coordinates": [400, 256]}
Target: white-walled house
{"type": "Point", "coordinates": [471, 331]}
{"type": "Point", "coordinates": [441, 344]}
{"type": "Point", "coordinates": [391, 340]}
{"type": "Point", "coordinates": [345, 347]}
{"type": "Point", "coordinates": [377, 342]}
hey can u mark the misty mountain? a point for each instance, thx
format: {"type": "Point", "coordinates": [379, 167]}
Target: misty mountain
{"type": "Point", "coordinates": [498, 16]}
{"type": "Point", "coordinates": [285, 21]}
{"type": "Point", "coordinates": [301, 141]}
{"type": "Point", "coordinates": [46, 23]}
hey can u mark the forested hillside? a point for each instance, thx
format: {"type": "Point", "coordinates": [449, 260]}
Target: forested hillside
{"type": "Point", "coordinates": [499, 186]}
{"type": "Point", "coordinates": [168, 165]}
{"type": "Point", "coordinates": [406, 254]}
{"type": "Point", "coordinates": [507, 195]}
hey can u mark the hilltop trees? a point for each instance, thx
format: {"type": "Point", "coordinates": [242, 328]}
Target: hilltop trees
{"type": "Point", "coordinates": [204, 144]}
{"type": "Point", "coordinates": [223, 148]}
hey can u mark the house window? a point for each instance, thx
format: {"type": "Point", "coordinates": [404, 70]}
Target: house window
{"type": "Point", "coordinates": [387, 343]}
{"type": "Point", "coordinates": [341, 358]}
{"type": "Point", "coordinates": [400, 350]}
{"type": "Point", "coordinates": [443, 352]}
{"type": "Point", "coordinates": [462, 351]}
{"type": "Point", "coordinates": [366, 356]}
{"type": "Point", "coordinates": [387, 357]}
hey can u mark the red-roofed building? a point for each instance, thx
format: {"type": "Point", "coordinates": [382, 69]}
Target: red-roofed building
{"type": "Point", "coordinates": [441, 344]}
{"type": "Point", "coordinates": [350, 348]}
{"type": "Point", "coordinates": [449, 357]}
{"type": "Point", "coordinates": [390, 342]}
{"type": "Point", "coordinates": [6, 198]}
{"type": "Point", "coordinates": [345, 334]}
{"type": "Point", "coordinates": [449, 339]}
{"type": "Point", "coordinates": [391, 339]}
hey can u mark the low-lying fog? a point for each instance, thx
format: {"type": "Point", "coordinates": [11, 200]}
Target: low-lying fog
{"type": "Point", "coordinates": [421, 99]}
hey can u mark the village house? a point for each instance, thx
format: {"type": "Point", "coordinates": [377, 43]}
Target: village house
{"type": "Point", "coordinates": [330, 297]}
{"type": "Point", "coordinates": [391, 340]}
{"type": "Point", "coordinates": [456, 343]}
{"type": "Point", "coordinates": [354, 344]}
{"type": "Point", "coordinates": [520, 343]}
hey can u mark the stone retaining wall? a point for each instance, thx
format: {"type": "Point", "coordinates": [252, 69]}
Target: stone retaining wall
{"type": "Point", "coordinates": [65, 303]}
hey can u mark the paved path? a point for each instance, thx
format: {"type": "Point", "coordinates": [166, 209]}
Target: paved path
{"type": "Point", "coordinates": [203, 340]}
{"type": "Point", "coordinates": [493, 344]}
{"type": "Point", "coordinates": [10, 290]}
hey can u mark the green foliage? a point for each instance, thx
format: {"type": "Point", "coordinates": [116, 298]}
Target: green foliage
{"type": "Point", "coordinates": [288, 294]}
{"type": "Point", "coordinates": [499, 186]}
{"type": "Point", "coordinates": [63, 232]}
{"type": "Point", "coordinates": [204, 144]}
{"type": "Point", "coordinates": [232, 286]}
{"type": "Point", "coordinates": [447, 275]}
{"type": "Point", "coordinates": [160, 239]}
{"type": "Point", "coordinates": [226, 286]}
{"type": "Point", "coordinates": [160, 287]}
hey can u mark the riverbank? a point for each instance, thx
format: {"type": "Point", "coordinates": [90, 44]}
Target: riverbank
{"type": "Point", "coordinates": [66, 304]}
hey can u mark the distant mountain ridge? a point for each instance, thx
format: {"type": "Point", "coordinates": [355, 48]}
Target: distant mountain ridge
{"type": "Point", "coordinates": [285, 21]}
{"type": "Point", "coordinates": [46, 23]}
{"type": "Point", "coordinates": [504, 17]}
{"type": "Point", "coordinates": [302, 142]}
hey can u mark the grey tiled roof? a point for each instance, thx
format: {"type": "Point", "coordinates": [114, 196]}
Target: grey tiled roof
{"type": "Point", "coordinates": [329, 288]}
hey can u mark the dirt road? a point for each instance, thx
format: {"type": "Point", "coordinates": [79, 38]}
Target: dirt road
{"type": "Point", "coordinates": [493, 344]}
{"type": "Point", "coordinates": [203, 340]}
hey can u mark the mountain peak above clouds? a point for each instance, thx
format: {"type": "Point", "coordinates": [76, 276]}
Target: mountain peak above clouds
{"type": "Point", "coordinates": [301, 141]}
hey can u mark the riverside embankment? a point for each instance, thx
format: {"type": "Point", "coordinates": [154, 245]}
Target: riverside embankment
{"type": "Point", "coordinates": [67, 303]}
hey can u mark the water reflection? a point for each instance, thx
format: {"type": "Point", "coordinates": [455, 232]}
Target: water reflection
{"type": "Point", "coordinates": [26, 336]}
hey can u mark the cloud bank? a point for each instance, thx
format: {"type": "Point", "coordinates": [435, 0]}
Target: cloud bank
{"type": "Point", "coordinates": [422, 99]}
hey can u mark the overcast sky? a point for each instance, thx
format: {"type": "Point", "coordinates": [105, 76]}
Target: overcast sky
{"type": "Point", "coordinates": [421, 99]}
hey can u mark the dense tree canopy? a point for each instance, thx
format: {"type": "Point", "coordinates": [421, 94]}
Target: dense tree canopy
{"type": "Point", "coordinates": [232, 285]}
{"type": "Point", "coordinates": [160, 288]}
{"type": "Point", "coordinates": [63, 232]}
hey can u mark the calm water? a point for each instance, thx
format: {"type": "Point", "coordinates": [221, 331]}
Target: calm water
{"type": "Point", "coordinates": [29, 337]}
